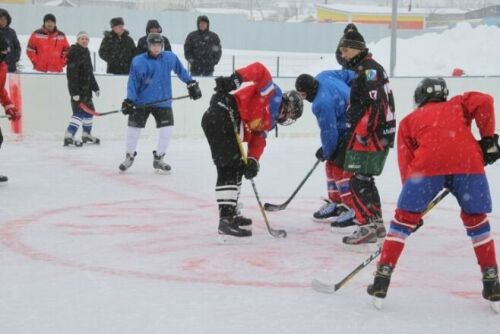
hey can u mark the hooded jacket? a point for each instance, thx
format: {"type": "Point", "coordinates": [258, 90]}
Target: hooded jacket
{"type": "Point", "coordinates": [202, 49]}
{"type": "Point", "coordinates": [142, 45]}
{"type": "Point", "coordinates": [117, 51]}
{"type": "Point", "coordinates": [14, 48]}
{"type": "Point", "coordinates": [48, 51]}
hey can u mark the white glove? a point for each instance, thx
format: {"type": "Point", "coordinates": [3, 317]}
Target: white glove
{"type": "Point", "coordinates": [76, 98]}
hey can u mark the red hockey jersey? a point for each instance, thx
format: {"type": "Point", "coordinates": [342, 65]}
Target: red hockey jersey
{"type": "Point", "coordinates": [436, 139]}
{"type": "Point", "coordinates": [254, 106]}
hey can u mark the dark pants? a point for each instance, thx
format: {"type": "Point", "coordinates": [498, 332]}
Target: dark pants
{"type": "Point", "coordinates": [219, 130]}
{"type": "Point", "coordinates": [139, 117]}
{"type": "Point", "coordinates": [366, 198]}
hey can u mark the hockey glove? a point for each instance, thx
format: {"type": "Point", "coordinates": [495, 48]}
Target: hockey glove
{"type": "Point", "coordinates": [227, 84]}
{"type": "Point", "coordinates": [251, 168]}
{"type": "Point", "coordinates": [319, 154]}
{"type": "Point", "coordinates": [194, 90]}
{"type": "Point", "coordinates": [12, 113]}
{"type": "Point", "coordinates": [490, 148]}
{"type": "Point", "coordinates": [128, 106]}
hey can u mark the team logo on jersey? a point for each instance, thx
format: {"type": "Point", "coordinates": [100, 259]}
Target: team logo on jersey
{"type": "Point", "coordinates": [371, 75]}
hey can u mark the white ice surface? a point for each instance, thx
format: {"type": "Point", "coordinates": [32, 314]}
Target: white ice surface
{"type": "Point", "coordinates": [84, 249]}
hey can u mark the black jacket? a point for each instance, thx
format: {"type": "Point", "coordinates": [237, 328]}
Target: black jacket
{"type": "Point", "coordinates": [142, 45]}
{"type": "Point", "coordinates": [202, 50]}
{"type": "Point", "coordinates": [12, 41]}
{"type": "Point", "coordinates": [80, 74]}
{"type": "Point", "coordinates": [371, 95]}
{"type": "Point", "coordinates": [117, 52]}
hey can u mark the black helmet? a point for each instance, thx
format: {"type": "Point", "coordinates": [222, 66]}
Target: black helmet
{"type": "Point", "coordinates": [307, 84]}
{"type": "Point", "coordinates": [430, 89]}
{"type": "Point", "coordinates": [155, 38]}
{"type": "Point", "coordinates": [291, 108]}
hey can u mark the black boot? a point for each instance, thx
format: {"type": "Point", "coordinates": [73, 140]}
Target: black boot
{"type": "Point", "coordinates": [381, 281]}
{"type": "Point", "coordinates": [243, 222]}
{"type": "Point", "coordinates": [491, 285]}
{"type": "Point", "coordinates": [3, 178]}
{"type": "Point", "coordinates": [228, 227]}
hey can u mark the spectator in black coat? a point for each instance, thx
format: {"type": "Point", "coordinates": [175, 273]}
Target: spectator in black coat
{"type": "Point", "coordinates": [14, 48]}
{"type": "Point", "coordinates": [152, 26]}
{"type": "Point", "coordinates": [202, 48]}
{"type": "Point", "coordinates": [81, 84]}
{"type": "Point", "coordinates": [117, 48]}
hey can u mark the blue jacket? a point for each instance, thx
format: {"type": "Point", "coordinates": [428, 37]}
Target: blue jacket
{"type": "Point", "coordinates": [329, 106]}
{"type": "Point", "coordinates": [150, 78]}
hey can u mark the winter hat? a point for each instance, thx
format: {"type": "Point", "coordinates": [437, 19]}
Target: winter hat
{"type": "Point", "coordinates": [116, 21]}
{"type": "Point", "coordinates": [350, 27]}
{"type": "Point", "coordinates": [354, 40]}
{"type": "Point", "coordinates": [306, 83]}
{"type": "Point", "coordinates": [49, 17]}
{"type": "Point", "coordinates": [153, 24]}
{"type": "Point", "coordinates": [82, 34]}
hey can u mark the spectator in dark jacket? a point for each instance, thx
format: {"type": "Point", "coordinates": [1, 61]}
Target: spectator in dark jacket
{"type": "Point", "coordinates": [117, 48]}
{"type": "Point", "coordinates": [152, 26]}
{"type": "Point", "coordinates": [202, 48]}
{"type": "Point", "coordinates": [13, 46]}
{"type": "Point", "coordinates": [81, 84]}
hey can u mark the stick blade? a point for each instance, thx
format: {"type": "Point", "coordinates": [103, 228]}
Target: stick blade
{"type": "Point", "coordinates": [322, 287]}
{"type": "Point", "coordinates": [278, 233]}
{"type": "Point", "coordinates": [273, 207]}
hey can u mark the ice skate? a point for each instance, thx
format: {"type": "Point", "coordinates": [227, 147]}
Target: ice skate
{"type": "Point", "coordinates": [129, 161]}
{"type": "Point", "coordinates": [326, 213]}
{"type": "Point", "coordinates": [491, 288]}
{"type": "Point", "coordinates": [3, 179]}
{"type": "Point", "coordinates": [160, 166]}
{"type": "Point", "coordinates": [243, 222]}
{"type": "Point", "coordinates": [345, 217]}
{"type": "Point", "coordinates": [230, 232]}
{"type": "Point", "coordinates": [69, 140]}
{"type": "Point", "coordinates": [88, 138]}
{"type": "Point", "coordinates": [380, 284]}
{"type": "Point", "coordinates": [364, 239]}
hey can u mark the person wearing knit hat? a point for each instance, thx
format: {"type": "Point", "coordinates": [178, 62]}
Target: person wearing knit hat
{"type": "Point", "coordinates": [372, 127]}
{"type": "Point", "coordinates": [117, 48]}
{"type": "Point", "coordinates": [338, 56]}
{"type": "Point", "coordinates": [48, 47]}
{"type": "Point", "coordinates": [81, 84]}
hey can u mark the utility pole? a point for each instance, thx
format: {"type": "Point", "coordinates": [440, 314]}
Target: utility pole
{"type": "Point", "coordinates": [394, 36]}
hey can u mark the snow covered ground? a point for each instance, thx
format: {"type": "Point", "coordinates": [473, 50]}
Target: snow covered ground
{"type": "Point", "coordinates": [84, 249]}
{"type": "Point", "coordinates": [431, 54]}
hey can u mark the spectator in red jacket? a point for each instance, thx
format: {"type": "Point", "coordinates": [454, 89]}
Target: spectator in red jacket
{"type": "Point", "coordinates": [48, 47]}
{"type": "Point", "coordinates": [10, 109]}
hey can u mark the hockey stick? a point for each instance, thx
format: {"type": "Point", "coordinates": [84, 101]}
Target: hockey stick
{"type": "Point", "coordinates": [273, 232]}
{"type": "Point", "coordinates": [92, 112]}
{"type": "Point", "coordinates": [278, 207]}
{"type": "Point", "coordinates": [331, 288]}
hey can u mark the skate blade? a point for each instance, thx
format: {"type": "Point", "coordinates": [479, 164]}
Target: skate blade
{"type": "Point", "coordinates": [495, 307]}
{"type": "Point", "coordinates": [328, 220]}
{"type": "Point", "coordinates": [377, 303]}
{"type": "Point", "coordinates": [232, 240]}
{"type": "Point", "coordinates": [247, 227]}
{"type": "Point", "coordinates": [362, 248]}
{"type": "Point", "coordinates": [162, 172]}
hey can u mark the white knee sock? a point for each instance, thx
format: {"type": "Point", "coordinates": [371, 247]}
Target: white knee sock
{"type": "Point", "coordinates": [164, 139]}
{"type": "Point", "coordinates": [132, 139]}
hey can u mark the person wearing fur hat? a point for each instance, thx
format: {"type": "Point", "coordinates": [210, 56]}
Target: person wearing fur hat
{"type": "Point", "coordinates": [371, 130]}
{"type": "Point", "coordinates": [202, 48]}
{"type": "Point", "coordinates": [13, 46]}
{"type": "Point", "coordinates": [48, 47]}
{"type": "Point", "coordinates": [117, 48]}
{"type": "Point", "coordinates": [152, 26]}
{"type": "Point", "coordinates": [81, 84]}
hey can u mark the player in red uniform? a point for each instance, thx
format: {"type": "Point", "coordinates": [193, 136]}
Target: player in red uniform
{"type": "Point", "coordinates": [10, 108]}
{"type": "Point", "coordinates": [255, 109]}
{"type": "Point", "coordinates": [436, 150]}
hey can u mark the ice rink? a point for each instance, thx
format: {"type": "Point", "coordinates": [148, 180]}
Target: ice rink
{"type": "Point", "coordinates": [84, 249]}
